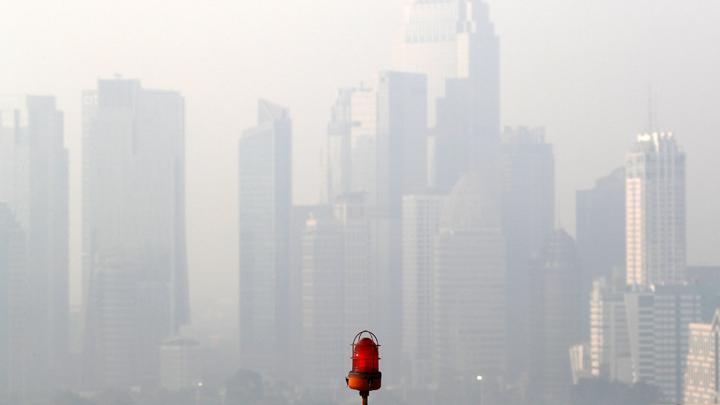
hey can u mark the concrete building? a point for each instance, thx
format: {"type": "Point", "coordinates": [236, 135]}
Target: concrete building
{"type": "Point", "coordinates": [610, 356]}
{"type": "Point", "coordinates": [13, 310]}
{"type": "Point", "coordinates": [265, 200]}
{"type": "Point", "coordinates": [701, 384]}
{"type": "Point", "coordinates": [655, 211]}
{"type": "Point", "coordinates": [658, 326]}
{"type": "Point", "coordinates": [555, 319]}
{"type": "Point", "coordinates": [134, 257]}
{"type": "Point", "coordinates": [469, 318]}
{"type": "Point", "coordinates": [600, 231]}
{"type": "Point", "coordinates": [34, 185]}
{"type": "Point", "coordinates": [420, 222]}
{"type": "Point", "coordinates": [528, 168]}
{"type": "Point", "coordinates": [180, 364]}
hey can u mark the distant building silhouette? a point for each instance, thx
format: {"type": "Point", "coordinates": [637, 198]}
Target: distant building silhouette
{"type": "Point", "coordinates": [469, 319]}
{"type": "Point", "coordinates": [555, 319]}
{"type": "Point", "coordinates": [14, 354]}
{"type": "Point", "coordinates": [34, 184]}
{"type": "Point", "coordinates": [134, 254]}
{"type": "Point", "coordinates": [600, 231]}
{"type": "Point", "coordinates": [528, 169]}
{"type": "Point", "coordinates": [265, 201]}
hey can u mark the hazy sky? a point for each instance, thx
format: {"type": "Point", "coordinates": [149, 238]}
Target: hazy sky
{"type": "Point", "coordinates": [581, 68]}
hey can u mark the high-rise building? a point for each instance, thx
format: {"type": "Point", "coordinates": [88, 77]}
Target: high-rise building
{"type": "Point", "coordinates": [600, 230]}
{"type": "Point", "coordinates": [469, 321]}
{"type": "Point", "coordinates": [658, 321]}
{"type": "Point", "coordinates": [351, 142]}
{"type": "Point", "coordinates": [265, 200]}
{"type": "Point", "coordinates": [555, 319]}
{"type": "Point", "coordinates": [454, 39]}
{"type": "Point", "coordinates": [339, 149]}
{"type": "Point", "coordinates": [324, 346]}
{"type": "Point", "coordinates": [34, 184]}
{"type": "Point", "coordinates": [420, 226]}
{"type": "Point", "coordinates": [179, 364]}
{"type": "Point", "coordinates": [13, 310]}
{"type": "Point", "coordinates": [655, 211]}
{"type": "Point", "coordinates": [528, 214]}
{"type": "Point", "coordinates": [701, 384]}
{"type": "Point", "coordinates": [134, 258]}
{"type": "Point", "coordinates": [608, 330]}
{"type": "Point", "coordinates": [401, 162]}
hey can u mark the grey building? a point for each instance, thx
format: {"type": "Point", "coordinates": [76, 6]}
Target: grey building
{"type": "Point", "coordinates": [34, 185]}
{"type": "Point", "coordinates": [528, 170]}
{"type": "Point", "coordinates": [134, 256]}
{"type": "Point", "coordinates": [265, 200]}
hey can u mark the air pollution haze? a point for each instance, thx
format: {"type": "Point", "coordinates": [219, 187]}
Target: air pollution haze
{"type": "Point", "coordinates": [496, 188]}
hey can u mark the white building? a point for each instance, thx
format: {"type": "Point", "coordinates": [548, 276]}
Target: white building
{"type": "Point", "coordinates": [701, 385]}
{"type": "Point", "coordinates": [609, 340]}
{"type": "Point", "coordinates": [180, 364]}
{"type": "Point", "coordinates": [655, 211]}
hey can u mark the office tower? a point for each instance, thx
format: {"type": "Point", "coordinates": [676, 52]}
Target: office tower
{"type": "Point", "coordinates": [608, 329]}
{"type": "Point", "coordinates": [555, 319]}
{"type": "Point", "coordinates": [420, 225]}
{"type": "Point", "coordinates": [363, 140]}
{"type": "Point", "coordinates": [134, 259]}
{"type": "Point", "coordinates": [706, 280]}
{"type": "Point", "coordinates": [179, 364]}
{"type": "Point", "coordinates": [454, 39]}
{"type": "Point", "coordinates": [469, 289]}
{"type": "Point", "coordinates": [528, 219]}
{"type": "Point", "coordinates": [265, 198]}
{"type": "Point", "coordinates": [339, 162]}
{"type": "Point", "coordinates": [13, 309]}
{"type": "Point", "coordinates": [600, 230]}
{"type": "Point", "coordinates": [401, 169]}
{"type": "Point", "coordinates": [324, 346]}
{"type": "Point", "coordinates": [35, 187]}
{"type": "Point", "coordinates": [655, 211]}
{"type": "Point", "coordinates": [351, 142]}
{"type": "Point", "coordinates": [701, 384]}
{"type": "Point", "coordinates": [658, 321]}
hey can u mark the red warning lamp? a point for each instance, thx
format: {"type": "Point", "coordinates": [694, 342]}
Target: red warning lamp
{"type": "Point", "coordinates": [365, 375]}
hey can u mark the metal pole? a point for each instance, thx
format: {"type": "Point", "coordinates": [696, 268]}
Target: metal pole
{"type": "Point", "coordinates": [364, 396]}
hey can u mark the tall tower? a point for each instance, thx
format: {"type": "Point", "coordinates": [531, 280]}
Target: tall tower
{"type": "Point", "coordinates": [34, 184]}
{"type": "Point", "coordinates": [655, 211]}
{"type": "Point", "coordinates": [555, 319]}
{"type": "Point", "coordinates": [469, 290]}
{"type": "Point", "coordinates": [134, 258]}
{"type": "Point", "coordinates": [265, 198]}
{"type": "Point", "coordinates": [528, 167]}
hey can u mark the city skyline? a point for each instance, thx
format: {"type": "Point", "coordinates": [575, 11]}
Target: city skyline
{"type": "Point", "coordinates": [503, 245]}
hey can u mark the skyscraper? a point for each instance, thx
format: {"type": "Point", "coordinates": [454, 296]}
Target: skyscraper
{"type": "Point", "coordinates": [600, 230]}
{"type": "Point", "coordinates": [265, 199]}
{"type": "Point", "coordinates": [134, 258]}
{"type": "Point", "coordinates": [351, 142]}
{"type": "Point", "coordinates": [454, 39]}
{"type": "Point", "coordinates": [420, 226]}
{"type": "Point", "coordinates": [658, 323]}
{"type": "Point", "coordinates": [469, 289]}
{"type": "Point", "coordinates": [528, 168]}
{"type": "Point", "coordinates": [700, 383]}
{"type": "Point", "coordinates": [555, 319]}
{"type": "Point", "coordinates": [401, 162]}
{"type": "Point", "coordinates": [34, 184]}
{"type": "Point", "coordinates": [13, 310]}
{"type": "Point", "coordinates": [655, 211]}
